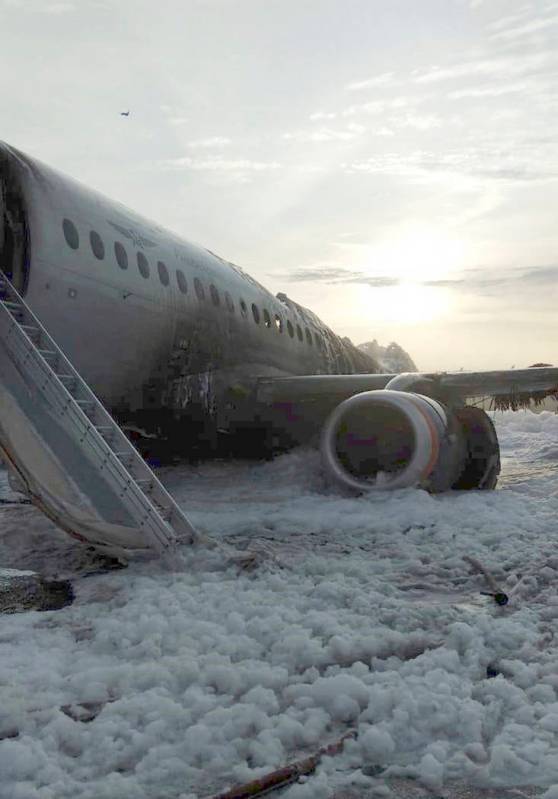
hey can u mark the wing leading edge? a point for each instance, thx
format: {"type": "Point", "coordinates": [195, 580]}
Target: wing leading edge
{"type": "Point", "coordinates": [511, 388]}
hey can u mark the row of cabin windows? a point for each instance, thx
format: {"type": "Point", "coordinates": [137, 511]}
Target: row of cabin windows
{"type": "Point", "coordinates": [98, 249]}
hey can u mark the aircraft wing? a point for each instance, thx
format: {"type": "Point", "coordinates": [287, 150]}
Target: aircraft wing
{"type": "Point", "coordinates": [511, 388]}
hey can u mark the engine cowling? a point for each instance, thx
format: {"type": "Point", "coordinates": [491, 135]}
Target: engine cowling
{"type": "Point", "coordinates": [388, 439]}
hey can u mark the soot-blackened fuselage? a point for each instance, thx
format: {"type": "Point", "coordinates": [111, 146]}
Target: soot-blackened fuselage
{"type": "Point", "coordinates": [169, 335]}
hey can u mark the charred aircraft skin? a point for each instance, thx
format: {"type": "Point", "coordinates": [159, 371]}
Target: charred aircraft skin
{"type": "Point", "coordinates": [169, 335]}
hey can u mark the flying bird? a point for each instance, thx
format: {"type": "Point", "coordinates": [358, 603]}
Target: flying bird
{"type": "Point", "coordinates": [124, 113]}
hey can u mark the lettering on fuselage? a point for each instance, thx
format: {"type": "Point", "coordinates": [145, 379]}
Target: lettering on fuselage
{"type": "Point", "coordinates": [136, 238]}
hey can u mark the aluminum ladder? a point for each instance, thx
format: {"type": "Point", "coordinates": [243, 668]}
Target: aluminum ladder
{"type": "Point", "coordinates": [159, 522]}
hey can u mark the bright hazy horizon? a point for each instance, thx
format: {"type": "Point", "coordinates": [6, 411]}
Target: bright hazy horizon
{"type": "Point", "coordinates": [391, 165]}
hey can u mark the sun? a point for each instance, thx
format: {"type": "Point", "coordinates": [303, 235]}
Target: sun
{"type": "Point", "coordinates": [419, 260]}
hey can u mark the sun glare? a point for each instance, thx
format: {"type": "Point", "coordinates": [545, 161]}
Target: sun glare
{"type": "Point", "coordinates": [415, 258]}
{"type": "Point", "coordinates": [404, 304]}
{"type": "Point", "coordinates": [416, 255]}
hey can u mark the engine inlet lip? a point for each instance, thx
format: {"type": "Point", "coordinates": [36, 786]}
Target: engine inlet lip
{"type": "Point", "coordinates": [426, 419]}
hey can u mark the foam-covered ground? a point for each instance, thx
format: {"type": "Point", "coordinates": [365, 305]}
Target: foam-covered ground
{"type": "Point", "coordinates": [363, 615]}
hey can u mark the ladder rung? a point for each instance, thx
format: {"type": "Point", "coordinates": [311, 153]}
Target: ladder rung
{"type": "Point", "coordinates": [13, 306]}
{"type": "Point", "coordinates": [47, 353]}
{"type": "Point", "coordinates": [122, 455]}
{"type": "Point", "coordinates": [67, 378]}
{"type": "Point", "coordinates": [85, 404]}
{"type": "Point", "coordinates": [164, 513]}
{"type": "Point", "coordinates": [31, 330]}
{"type": "Point", "coordinates": [105, 431]}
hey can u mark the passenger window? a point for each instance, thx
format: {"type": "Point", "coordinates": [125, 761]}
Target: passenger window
{"type": "Point", "coordinates": [200, 291]}
{"type": "Point", "coordinates": [243, 308]}
{"type": "Point", "coordinates": [229, 302]}
{"type": "Point", "coordinates": [255, 313]}
{"type": "Point", "coordinates": [290, 329]}
{"type": "Point", "coordinates": [299, 332]}
{"type": "Point", "coordinates": [267, 318]}
{"type": "Point", "coordinates": [308, 336]}
{"type": "Point", "coordinates": [121, 255]}
{"type": "Point", "coordinates": [70, 234]}
{"type": "Point", "coordinates": [143, 265]}
{"type": "Point", "coordinates": [215, 299]}
{"type": "Point", "coordinates": [181, 280]}
{"type": "Point", "coordinates": [163, 273]}
{"type": "Point", "coordinates": [278, 323]}
{"type": "Point", "coordinates": [97, 245]}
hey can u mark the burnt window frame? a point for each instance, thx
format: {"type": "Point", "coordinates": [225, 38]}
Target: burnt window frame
{"type": "Point", "coordinates": [278, 323]}
{"type": "Point", "coordinates": [199, 289]}
{"type": "Point", "coordinates": [229, 302]}
{"type": "Point", "coordinates": [181, 281]}
{"type": "Point", "coordinates": [266, 318]}
{"type": "Point", "coordinates": [214, 294]}
{"type": "Point", "coordinates": [299, 333]}
{"type": "Point", "coordinates": [243, 308]}
{"type": "Point", "coordinates": [97, 245]}
{"type": "Point", "coordinates": [143, 265]}
{"type": "Point", "coordinates": [119, 251]}
{"type": "Point", "coordinates": [290, 328]}
{"type": "Point", "coordinates": [255, 313]}
{"type": "Point", "coordinates": [164, 277]}
{"type": "Point", "coordinates": [71, 233]}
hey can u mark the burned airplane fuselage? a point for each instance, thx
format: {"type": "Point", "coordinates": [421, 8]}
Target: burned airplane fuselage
{"type": "Point", "coordinates": [170, 336]}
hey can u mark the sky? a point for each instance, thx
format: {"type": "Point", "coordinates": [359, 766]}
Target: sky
{"type": "Point", "coordinates": [390, 164]}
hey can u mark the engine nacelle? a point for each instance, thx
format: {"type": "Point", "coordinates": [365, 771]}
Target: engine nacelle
{"type": "Point", "coordinates": [389, 439]}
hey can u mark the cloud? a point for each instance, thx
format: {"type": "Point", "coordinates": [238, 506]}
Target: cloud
{"type": "Point", "coordinates": [508, 20]}
{"type": "Point", "coordinates": [503, 66]}
{"type": "Point", "coordinates": [540, 274]}
{"type": "Point", "coordinates": [483, 163]}
{"type": "Point", "coordinates": [373, 107]}
{"type": "Point", "coordinates": [419, 122]}
{"type": "Point", "coordinates": [326, 134]}
{"type": "Point", "coordinates": [492, 91]}
{"type": "Point", "coordinates": [384, 79]}
{"type": "Point", "coordinates": [448, 283]}
{"type": "Point", "coordinates": [383, 131]}
{"type": "Point", "coordinates": [211, 141]}
{"type": "Point", "coordinates": [318, 115]}
{"type": "Point", "coordinates": [41, 7]}
{"type": "Point", "coordinates": [220, 164]}
{"type": "Point", "coordinates": [501, 281]}
{"type": "Point", "coordinates": [338, 275]}
{"type": "Point", "coordinates": [534, 26]}
{"type": "Point", "coordinates": [478, 281]}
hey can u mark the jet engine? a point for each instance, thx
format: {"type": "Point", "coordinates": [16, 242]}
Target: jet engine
{"type": "Point", "coordinates": [387, 439]}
